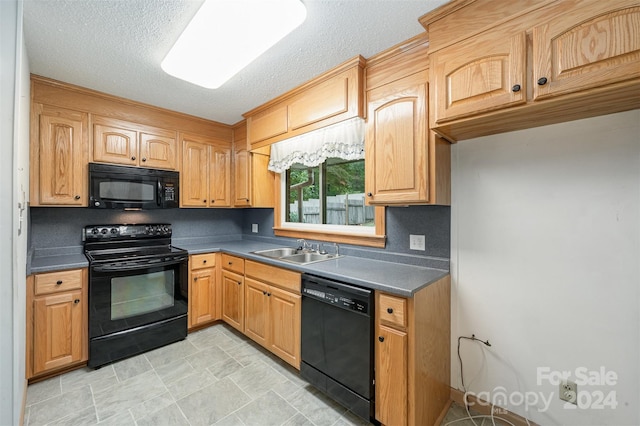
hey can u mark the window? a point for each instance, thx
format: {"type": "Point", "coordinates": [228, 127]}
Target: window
{"type": "Point", "coordinates": [331, 193]}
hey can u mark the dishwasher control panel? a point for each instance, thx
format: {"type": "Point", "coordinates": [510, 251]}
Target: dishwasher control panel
{"type": "Point", "coordinates": [338, 294]}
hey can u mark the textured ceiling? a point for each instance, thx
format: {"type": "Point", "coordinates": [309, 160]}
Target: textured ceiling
{"type": "Point", "coordinates": [116, 46]}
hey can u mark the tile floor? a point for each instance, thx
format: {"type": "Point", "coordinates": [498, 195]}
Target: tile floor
{"type": "Point", "coordinates": [214, 377]}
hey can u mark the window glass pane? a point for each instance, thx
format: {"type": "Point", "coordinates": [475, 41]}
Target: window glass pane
{"type": "Point", "coordinates": [332, 193]}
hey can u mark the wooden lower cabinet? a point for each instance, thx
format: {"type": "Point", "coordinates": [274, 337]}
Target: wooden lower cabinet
{"type": "Point", "coordinates": [273, 310]}
{"type": "Point", "coordinates": [233, 291]}
{"type": "Point", "coordinates": [412, 355]}
{"type": "Point", "coordinates": [57, 324]}
{"type": "Point", "coordinates": [202, 289]}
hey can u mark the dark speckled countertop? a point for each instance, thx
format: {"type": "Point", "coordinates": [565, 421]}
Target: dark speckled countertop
{"type": "Point", "coordinates": [394, 278]}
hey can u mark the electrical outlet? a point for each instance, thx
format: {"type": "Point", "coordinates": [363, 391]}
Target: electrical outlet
{"type": "Point", "coordinates": [416, 242]}
{"type": "Point", "coordinates": [569, 392]}
{"type": "Point", "coordinates": [254, 227]}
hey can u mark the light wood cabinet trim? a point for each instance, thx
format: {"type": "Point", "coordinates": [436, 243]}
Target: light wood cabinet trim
{"type": "Point", "coordinates": [262, 182]}
{"type": "Point", "coordinates": [206, 260]}
{"type": "Point", "coordinates": [56, 93]}
{"type": "Point", "coordinates": [283, 278]}
{"type": "Point", "coordinates": [308, 107]}
{"type": "Point", "coordinates": [55, 282]}
{"type": "Point", "coordinates": [406, 58]}
{"type": "Point", "coordinates": [233, 263]}
{"type": "Point", "coordinates": [321, 102]}
{"type": "Point", "coordinates": [268, 124]}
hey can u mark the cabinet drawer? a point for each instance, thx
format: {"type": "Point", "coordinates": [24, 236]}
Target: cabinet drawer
{"type": "Point", "coordinates": [53, 282]}
{"type": "Point", "coordinates": [393, 310]}
{"type": "Point", "coordinates": [233, 263]}
{"type": "Point", "coordinates": [206, 260]}
{"type": "Point", "coordinates": [282, 278]}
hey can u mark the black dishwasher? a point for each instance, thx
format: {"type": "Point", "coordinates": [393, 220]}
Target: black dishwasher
{"type": "Point", "coordinates": [337, 342]}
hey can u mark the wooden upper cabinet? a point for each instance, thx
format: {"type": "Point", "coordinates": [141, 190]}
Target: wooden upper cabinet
{"type": "Point", "coordinates": [529, 63]}
{"type": "Point", "coordinates": [131, 144]}
{"type": "Point", "coordinates": [242, 177]}
{"type": "Point", "coordinates": [206, 172]}
{"type": "Point", "coordinates": [194, 178]}
{"type": "Point", "coordinates": [113, 144]}
{"type": "Point", "coordinates": [330, 98]}
{"type": "Point", "coordinates": [396, 142]}
{"type": "Point", "coordinates": [586, 45]}
{"type": "Point", "coordinates": [484, 73]}
{"type": "Point", "coordinates": [58, 157]}
{"type": "Point", "coordinates": [157, 151]}
{"type": "Point", "coordinates": [220, 173]}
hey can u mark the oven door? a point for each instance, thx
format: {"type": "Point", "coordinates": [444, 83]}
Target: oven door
{"type": "Point", "coordinates": [135, 308]}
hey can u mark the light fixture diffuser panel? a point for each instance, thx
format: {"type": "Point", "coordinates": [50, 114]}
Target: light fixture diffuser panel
{"type": "Point", "coordinates": [225, 36]}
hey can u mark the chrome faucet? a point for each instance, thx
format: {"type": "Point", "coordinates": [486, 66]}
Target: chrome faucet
{"type": "Point", "coordinates": [337, 247]}
{"type": "Point", "coordinates": [304, 245]}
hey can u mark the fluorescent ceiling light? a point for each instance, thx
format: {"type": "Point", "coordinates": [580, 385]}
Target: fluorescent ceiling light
{"type": "Point", "coordinates": [224, 36]}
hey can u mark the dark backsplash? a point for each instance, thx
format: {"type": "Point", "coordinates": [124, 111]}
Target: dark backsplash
{"type": "Point", "coordinates": [62, 227]}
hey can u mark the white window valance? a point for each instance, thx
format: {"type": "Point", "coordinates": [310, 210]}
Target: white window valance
{"type": "Point", "coordinates": [342, 140]}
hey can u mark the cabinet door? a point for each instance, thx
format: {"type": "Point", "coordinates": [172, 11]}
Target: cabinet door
{"type": "Point", "coordinates": [586, 45]}
{"type": "Point", "coordinates": [157, 151]}
{"type": "Point", "coordinates": [484, 73]}
{"type": "Point", "coordinates": [194, 178]}
{"type": "Point", "coordinates": [256, 310]}
{"type": "Point", "coordinates": [391, 376]}
{"type": "Point", "coordinates": [396, 142]}
{"type": "Point", "coordinates": [262, 182]}
{"type": "Point", "coordinates": [220, 185]}
{"type": "Point", "coordinates": [58, 330]}
{"type": "Point", "coordinates": [62, 161]}
{"type": "Point", "coordinates": [115, 144]}
{"type": "Point", "coordinates": [202, 296]}
{"type": "Point", "coordinates": [233, 300]}
{"type": "Point", "coordinates": [242, 181]}
{"type": "Point", "coordinates": [284, 323]}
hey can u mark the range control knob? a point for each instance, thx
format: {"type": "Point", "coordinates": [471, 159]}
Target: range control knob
{"type": "Point", "coordinates": [94, 231]}
{"type": "Point", "coordinates": [114, 230]}
{"type": "Point", "coordinates": [103, 231]}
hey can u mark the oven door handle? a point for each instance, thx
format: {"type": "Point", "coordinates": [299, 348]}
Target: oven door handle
{"type": "Point", "coordinates": [159, 193]}
{"type": "Point", "coordinates": [108, 268]}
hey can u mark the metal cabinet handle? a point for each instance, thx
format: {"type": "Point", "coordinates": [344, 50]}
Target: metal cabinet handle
{"type": "Point", "coordinates": [230, 263]}
{"type": "Point", "coordinates": [390, 310]}
{"type": "Point", "coordinates": [204, 261]}
{"type": "Point", "coordinates": [381, 338]}
{"type": "Point", "coordinates": [77, 197]}
{"type": "Point", "coordinates": [58, 282]}
{"type": "Point", "coordinates": [195, 278]}
{"type": "Point", "coordinates": [204, 201]}
{"type": "Point", "coordinates": [239, 283]}
{"type": "Point", "coordinates": [542, 81]}
{"type": "Point", "coordinates": [264, 293]}
{"type": "Point", "coordinates": [144, 158]}
{"type": "Point", "coordinates": [213, 201]}
{"type": "Point", "coordinates": [76, 301]}
{"type": "Point", "coordinates": [133, 157]}
{"type": "Point", "coordinates": [516, 88]}
{"type": "Point", "coordinates": [268, 294]}
{"type": "Point", "coordinates": [369, 194]}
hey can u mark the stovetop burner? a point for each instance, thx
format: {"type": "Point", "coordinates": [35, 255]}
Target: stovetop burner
{"type": "Point", "coordinates": [127, 243]}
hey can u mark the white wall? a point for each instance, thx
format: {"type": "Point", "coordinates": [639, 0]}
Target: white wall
{"type": "Point", "coordinates": [546, 265]}
{"type": "Point", "coordinates": [14, 171]}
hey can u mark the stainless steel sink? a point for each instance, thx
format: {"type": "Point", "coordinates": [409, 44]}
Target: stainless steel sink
{"type": "Point", "coordinates": [293, 255]}
{"type": "Point", "coordinates": [305, 258]}
{"type": "Point", "coordinates": [277, 253]}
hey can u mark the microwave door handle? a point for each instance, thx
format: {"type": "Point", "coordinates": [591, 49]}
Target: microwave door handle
{"type": "Point", "coordinates": [159, 194]}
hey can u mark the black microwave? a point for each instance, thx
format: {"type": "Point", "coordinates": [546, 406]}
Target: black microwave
{"type": "Point", "coordinates": [122, 187]}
